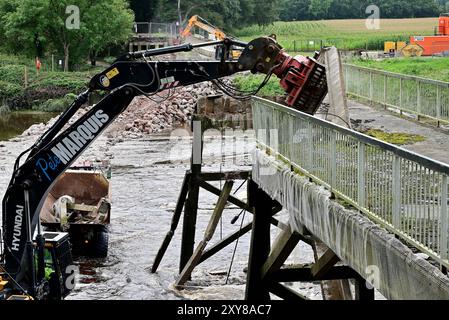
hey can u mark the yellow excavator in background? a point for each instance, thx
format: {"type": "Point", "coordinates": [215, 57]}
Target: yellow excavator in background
{"type": "Point", "coordinates": [197, 21]}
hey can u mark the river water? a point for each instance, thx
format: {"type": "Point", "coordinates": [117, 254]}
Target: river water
{"type": "Point", "coordinates": [146, 178]}
{"type": "Point", "coordinates": [14, 123]}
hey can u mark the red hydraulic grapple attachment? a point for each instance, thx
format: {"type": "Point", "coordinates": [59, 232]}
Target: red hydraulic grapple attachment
{"type": "Point", "coordinates": [303, 78]}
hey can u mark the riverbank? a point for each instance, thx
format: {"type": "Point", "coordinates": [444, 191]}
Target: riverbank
{"type": "Point", "coordinates": [14, 123]}
{"type": "Point", "coordinates": [22, 87]}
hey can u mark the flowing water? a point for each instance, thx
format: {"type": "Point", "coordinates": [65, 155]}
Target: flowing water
{"type": "Point", "coordinates": [14, 123]}
{"type": "Point", "coordinates": [146, 178]}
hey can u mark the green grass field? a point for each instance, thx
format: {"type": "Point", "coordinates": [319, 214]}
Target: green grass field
{"type": "Point", "coordinates": [345, 34]}
{"type": "Point", "coordinates": [426, 67]}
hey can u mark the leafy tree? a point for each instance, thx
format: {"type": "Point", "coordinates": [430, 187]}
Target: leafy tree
{"type": "Point", "coordinates": [225, 14]}
{"type": "Point", "coordinates": [295, 10]}
{"type": "Point", "coordinates": [320, 8]}
{"type": "Point", "coordinates": [101, 23]}
{"type": "Point", "coordinates": [144, 10]}
{"type": "Point", "coordinates": [352, 9]}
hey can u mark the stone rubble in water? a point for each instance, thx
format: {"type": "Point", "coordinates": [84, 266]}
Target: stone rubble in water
{"type": "Point", "coordinates": [144, 116]}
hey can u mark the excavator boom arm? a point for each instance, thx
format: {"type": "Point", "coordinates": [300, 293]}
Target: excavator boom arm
{"type": "Point", "coordinates": [131, 75]}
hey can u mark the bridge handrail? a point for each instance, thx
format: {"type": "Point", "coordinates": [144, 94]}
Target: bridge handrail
{"type": "Point", "coordinates": [403, 191]}
{"type": "Point", "coordinates": [411, 94]}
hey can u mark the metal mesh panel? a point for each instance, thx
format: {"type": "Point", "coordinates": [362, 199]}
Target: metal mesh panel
{"type": "Point", "coordinates": [420, 96]}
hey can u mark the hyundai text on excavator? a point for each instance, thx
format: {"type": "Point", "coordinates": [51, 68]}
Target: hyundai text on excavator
{"type": "Point", "coordinates": [38, 265]}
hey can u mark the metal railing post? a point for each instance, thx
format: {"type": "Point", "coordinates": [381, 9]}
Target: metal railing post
{"type": "Point", "coordinates": [310, 139]}
{"type": "Point", "coordinates": [418, 97]}
{"type": "Point", "coordinates": [438, 103]}
{"type": "Point", "coordinates": [361, 174]}
{"type": "Point", "coordinates": [444, 219]}
{"type": "Point", "coordinates": [396, 196]}
{"type": "Point", "coordinates": [346, 79]}
{"type": "Point", "coordinates": [333, 160]}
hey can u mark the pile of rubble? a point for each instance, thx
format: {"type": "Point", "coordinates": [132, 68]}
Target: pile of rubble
{"type": "Point", "coordinates": [143, 116]}
{"type": "Point", "coordinates": [162, 112]}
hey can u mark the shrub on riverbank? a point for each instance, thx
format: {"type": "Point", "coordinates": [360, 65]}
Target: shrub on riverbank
{"type": "Point", "coordinates": [40, 87]}
{"type": "Point", "coordinates": [56, 105]}
{"type": "Point", "coordinates": [4, 109]}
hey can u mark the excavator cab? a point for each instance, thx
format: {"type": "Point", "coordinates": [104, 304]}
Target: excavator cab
{"type": "Point", "coordinates": [58, 264]}
{"type": "Point", "coordinates": [58, 278]}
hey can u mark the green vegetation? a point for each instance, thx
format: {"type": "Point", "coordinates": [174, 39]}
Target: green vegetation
{"type": "Point", "coordinates": [397, 138]}
{"type": "Point", "coordinates": [234, 14]}
{"type": "Point", "coordinates": [345, 34]}
{"type": "Point", "coordinates": [4, 109]}
{"type": "Point", "coordinates": [40, 87]}
{"type": "Point", "coordinates": [75, 30]}
{"type": "Point", "coordinates": [301, 10]}
{"type": "Point", "coordinates": [427, 67]}
{"type": "Point", "coordinates": [56, 105]}
{"type": "Point", "coordinates": [250, 82]}
{"type": "Point", "coordinates": [224, 14]}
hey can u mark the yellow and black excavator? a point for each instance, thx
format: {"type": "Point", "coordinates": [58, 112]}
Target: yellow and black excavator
{"type": "Point", "coordinates": [218, 34]}
{"type": "Point", "coordinates": [35, 264]}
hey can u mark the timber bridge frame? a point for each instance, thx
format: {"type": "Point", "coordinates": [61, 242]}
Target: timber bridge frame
{"type": "Point", "coordinates": [372, 212]}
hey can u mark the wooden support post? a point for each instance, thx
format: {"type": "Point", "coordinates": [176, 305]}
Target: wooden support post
{"type": "Point", "coordinates": [303, 273]}
{"type": "Point", "coordinates": [260, 242]}
{"type": "Point", "coordinates": [285, 293]}
{"type": "Point", "coordinates": [230, 175]}
{"type": "Point", "coordinates": [237, 234]}
{"type": "Point", "coordinates": [191, 206]}
{"type": "Point", "coordinates": [282, 248]}
{"type": "Point", "coordinates": [210, 230]}
{"type": "Point", "coordinates": [233, 200]}
{"type": "Point", "coordinates": [189, 222]}
{"type": "Point", "coordinates": [324, 263]}
{"type": "Point", "coordinates": [362, 292]}
{"type": "Point", "coordinates": [325, 259]}
{"type": "Point", "coordinates": [225, 242]}
{"type": "Point", "coordinates": [174, 223]}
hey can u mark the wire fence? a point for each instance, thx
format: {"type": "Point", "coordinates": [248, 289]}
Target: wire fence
{"type": "Point", "coordinates": [400, 190]}
{"type": "Point", "coordinates": [415, 95]}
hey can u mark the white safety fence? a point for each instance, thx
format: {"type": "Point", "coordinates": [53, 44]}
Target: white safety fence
{"type": "Point", "coordinates": [415, 95]}
{"type": "Point", "coordinates": [402, 191]}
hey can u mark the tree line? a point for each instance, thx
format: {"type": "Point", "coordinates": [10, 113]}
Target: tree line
{"type": "Point", "coordinates": [74, 29]}
{"type": "Point", "coordinates": [226, 14]}
{"type": "Point", "coordinates": [36, 27]}
{"type": "Point", "coordinates": [356, 9]}
{"type": "Point", "coordinates": [234, 14]}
